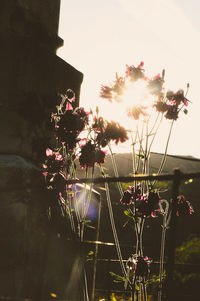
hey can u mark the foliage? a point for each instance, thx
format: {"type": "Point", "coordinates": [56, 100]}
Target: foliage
{"type": "Point", "coordinates": [187, 275]}
{"type": "Point", "coordinates": [84, 138]}
{"type": "Point", "coordinates": [142, 200]}
{"type": "Point", "coordinates": [189, 252]}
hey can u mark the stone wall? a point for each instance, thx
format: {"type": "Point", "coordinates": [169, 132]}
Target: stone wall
{"type": "Point", "coordinates": [31, 77]}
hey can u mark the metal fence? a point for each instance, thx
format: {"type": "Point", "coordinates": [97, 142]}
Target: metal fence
{"type": "Point", "coordinates": [176, 177]}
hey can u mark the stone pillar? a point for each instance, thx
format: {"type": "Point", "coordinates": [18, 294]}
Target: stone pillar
{"type": "Point", "coordinates": [31, 77]}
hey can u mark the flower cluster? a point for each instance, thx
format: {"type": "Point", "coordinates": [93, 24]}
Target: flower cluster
{"type": "Point", "coordinates": [91, 155]}
{"type": "Point", "coordinates": [103, 133]}
{"type": "Point", "coordinates": [132, 194]}
{"type": "Point", "coordinates": [112, 131]}
{"type": "Point", "coordinates": [145, 204]}
{"type": "Point", "coordinates": [135, 73]}
{"type": "Point", "coordinates": [172, 104]}
{"type": "Point", "coordinates": [113, 91]}
{"type": "Point", "coordinates": [139, 265]}
{"type": "Point", "coordinates": [70, 125]}
{"type": "Point", "coordinates": [183, 206]}
{"type": "Point", "coordinates": [54, 162]}
{"type": "Point", "coordinates": [53, 168]}
{"type": "Point", "coordinates": [155, 85]}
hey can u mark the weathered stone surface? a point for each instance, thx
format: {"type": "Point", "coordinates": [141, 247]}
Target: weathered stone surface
{"type": "Point", "coordinates": [46, 12]}
{"type": "Point", "coordinates": [36, 20]}
{"type": "Point", "coordinates": [23, 222]}
{"type": "Point", "coordinates": [31, 77]}
{"type": "Point", "coordinates": [34, 260]}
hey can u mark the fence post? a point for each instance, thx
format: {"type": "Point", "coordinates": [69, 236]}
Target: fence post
{"type": "Point", "coordinates": [96, 252]}
{"type": "Point", "coordinates": [172, 238]}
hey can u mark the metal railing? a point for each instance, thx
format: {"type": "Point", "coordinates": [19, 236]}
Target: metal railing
{"type": "Point", "coordinates": [176, 178]}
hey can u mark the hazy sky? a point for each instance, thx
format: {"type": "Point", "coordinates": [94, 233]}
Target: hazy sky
{"type": "Point", "coordinates": [101, 37]}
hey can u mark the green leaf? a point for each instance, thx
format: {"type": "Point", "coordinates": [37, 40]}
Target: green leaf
{"type": "Point", "coordinates": [140, 156]}
{"type": "Point", "coordinates": [87, 222]}
{"type": "Point", "coordinates": [113, 297]}
{"type": "Point", "coordinates": [137, 288]}
{"type": "Point", "coordinates": [126, 185]}
{"type": "Point", "coordinates": [90, 256]}
{"type": "Point", "coordinates": [118, 278]}
{"type": "Point", "coordinates": [128, 213]}
{"type": "Point", "coordinates": [185, 111]}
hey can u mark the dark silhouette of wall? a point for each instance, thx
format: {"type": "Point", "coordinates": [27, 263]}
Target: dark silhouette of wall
{"type": "Point", "coordinates": [33, 256]}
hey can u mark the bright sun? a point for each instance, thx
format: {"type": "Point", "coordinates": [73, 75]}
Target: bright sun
{"type": "Point", "coordinates": [135, 94]}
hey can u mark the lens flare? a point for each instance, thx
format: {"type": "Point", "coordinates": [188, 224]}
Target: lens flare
{"type": "Point", "coordinates": [136, 94]}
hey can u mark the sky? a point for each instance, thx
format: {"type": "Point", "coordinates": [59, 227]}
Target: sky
{"type": "Point", "coordinates": [101, 37]}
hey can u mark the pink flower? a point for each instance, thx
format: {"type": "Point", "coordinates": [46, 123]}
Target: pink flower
{"type": "Point", "coordinates": [58, 157]}
{"type": "Point", "coordinates": [172, 112]}
{"type": "Point", "coordinates": [160, 106]}
{"type": "Point", "coordinates": [54, 162]}
{"type": "Point", "coordinates": [177, 98]}
{"type": "Point", "coordinates": [140, 65]}
{"type": "Point", "coordinates": [49, 152]}
{"type": "Point", "coordinates": [135, 73]}
{"type": "Point", "coordinates": [69, 106]}
{"type": "Point", "coordinates": [156, 84]}
{"type": "Point", "coordinates": [140, 265]}
{"type": "Point", "coordinates": [156, 76]}
{"type": "Point", "coordinates": [127, 198]}
{"type": "Point", "coordinates": [183, 206]}
{"type": "Point", "coordinates": [106, 92]}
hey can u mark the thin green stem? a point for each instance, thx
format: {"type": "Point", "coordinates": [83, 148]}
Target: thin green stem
{"type": "Point", "coordinates": [146, 157]}
{"type": "Point", "coordinates": [114, 227]}
{"type": "Point", "coordinates": [154, 125]}
{"type": "Point", "coordinates": [144, 290]}
{"type": "Point", "coordinates": [89, 195]}
{"type": "Point", "coordinates": [133, 152]}
{"type": "Point", "coordinates": [140, 235]}
{"type": "Point", "coordinates": [155, 133]}
{"type": "Point", "coordinates": [166, 148]}
{"type": "Point", "coordinates": [71, 215]}
{"type": "Point", "coordinates": [140, 148]}
{"type": "Point", "coordinates": [137, 237]}
{"type": "Point", "coordinates": [115, 171]}
{"type": "Point", "coordinates": [162, 248]}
